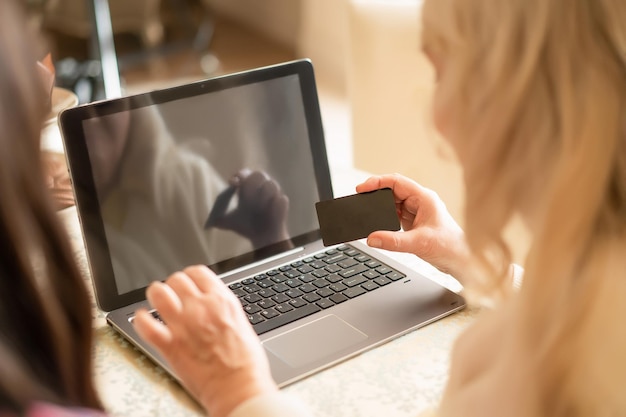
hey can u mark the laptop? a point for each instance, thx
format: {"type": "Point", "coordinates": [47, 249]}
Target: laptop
{"type": "Point", "coordinates": [226, 172]}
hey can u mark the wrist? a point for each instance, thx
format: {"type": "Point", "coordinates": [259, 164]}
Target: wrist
{"type": "Point", "coordinates": [222, 402]}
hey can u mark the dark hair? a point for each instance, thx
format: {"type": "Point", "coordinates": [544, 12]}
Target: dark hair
{"type": "Point", "coordinates": [45, 311]}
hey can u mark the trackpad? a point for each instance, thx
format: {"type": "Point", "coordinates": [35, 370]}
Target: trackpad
{"type": "Point", "coordinates": [314, 341]}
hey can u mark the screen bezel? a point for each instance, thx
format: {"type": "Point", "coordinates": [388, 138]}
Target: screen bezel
{"type": "Point", "coordinates": [71, 125]}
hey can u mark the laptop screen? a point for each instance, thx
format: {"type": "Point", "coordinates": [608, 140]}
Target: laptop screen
{"type": "Point", "coordinates": [222, 174]}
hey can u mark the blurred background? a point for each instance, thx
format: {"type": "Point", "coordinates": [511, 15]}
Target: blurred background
{"type": "Point", "coordinates": [161, 41]}
{"type": "Point", "coordinates": [374, 82]}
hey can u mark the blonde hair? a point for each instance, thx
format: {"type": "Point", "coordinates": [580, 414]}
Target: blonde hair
{"type": "Point", "coordinates": [537, 89]}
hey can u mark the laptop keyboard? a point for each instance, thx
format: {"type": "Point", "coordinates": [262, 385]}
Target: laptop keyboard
{"type": "Point", "coordinates": [299, 289]}
{"type": "Point", "coordinates": [315, 283]}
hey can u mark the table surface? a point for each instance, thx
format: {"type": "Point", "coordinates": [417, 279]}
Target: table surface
{"type": "Point", "coordinates": [399, 378]}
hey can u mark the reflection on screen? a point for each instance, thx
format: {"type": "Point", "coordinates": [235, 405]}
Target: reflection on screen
{"type": "Point", "coordinates": [209, 179]}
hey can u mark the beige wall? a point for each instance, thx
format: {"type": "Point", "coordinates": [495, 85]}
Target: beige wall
{"type": "Point", "coordinates": [277, 19]}
{"type": "Point", "coordinates": [390, 88]}
{"type": "Point", "coordinates": [315, 29]}
{"type": "Point", "coordinates": [324, 39]}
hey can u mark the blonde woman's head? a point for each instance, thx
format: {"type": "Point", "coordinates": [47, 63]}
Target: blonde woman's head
{"type": "Point", "coordinates": [531, 94]}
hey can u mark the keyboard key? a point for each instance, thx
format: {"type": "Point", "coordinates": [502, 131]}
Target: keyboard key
{"type": "Point", "coordinates": [338, 298]}
{"type": "Point", "coordinates": [255, 318]}
{"type": "Point", "coordinates": [325, 292]}
{"type": "Point", "coordinates": [307, 288]}
{"type": "Point", "coordinates": [358, 269]}
{"type": "Point", "coordinates": [311, 298]}
{"type": "Point", "coordinates": [347, 263]}
{"type": "Point", "coordinates": [280, 298]}
{"type": "Point", "coordinates": [320, 273]}
{"type": "Point", "coordinates": [252, 298]}
{"type": "Point", "coordinates": [372, 264]}
{"type": "Point", "coordinates": [383, 270]}
{"type": "Point", "coordinates": [294, 273]}
{"type": "Point", "coordinates": [269, 314]}
{"type": "Point", "coordinates": [354, 281]}
{"type": "Point", "coordinates": [325, 303]}
{"type": "Point", "coordinates": [321, 283]}
{"type": "Point", "coordinates": [272, 272]}
{"type": "Point", "coordinates": [370, 286]}
{"type": "Point", "coordinates": [333, 268]}
{"type": "Point", "coordinates": [266, 283]}
{"type": "Point", "coordinates": [280, 287]}
{"type": "Point", "coordinates": [293, 283]}
{"type": "Point", "coordinates": [248, 281]}
{"type": "Point", "coordinates": [306, 269]}
{"type": "Point", "coordinates": [354, 292]}
{"type": "Point", "coordinates": [395, 275]}
{"type": "Point", "coordinates": [336, 258]}
{"type": "Point", "coordinates": [318, 264]}
{"type": "Point", "coordinates": [338, 287]}
{"type": "Point", "coordinates": [307, 278]}
{"type": "Point", "coordinates": [251, 288]}
{"type": "Point", "coordinates": [252, 308]}
{"type": "Point", "coordinates": [298, 302]}
{"type": "Point", "coordinates": [266, 293]}
{"type": "Point", "coordinates": [294, 293]}
{"type": "Point", "coordinates": [333, 278]}
{"type": "Point", "coordinates": [265, 304]}
{"type": "Point", "coordinates": [382, 281]}
{"type": "Point", "coordinates": [290, 316]}
{"type": "Point", "coordinates": [371, 274]}
{"type": "Point", "coordinates": [279, 278]}
{"type": "Point", "coordinates": [283, 308]}
{"type": "Point", "coordinates": [239, 292]}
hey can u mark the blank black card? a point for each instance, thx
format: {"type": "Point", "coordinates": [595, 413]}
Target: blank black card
{"type": "Point", "coordinates": [355, 216]}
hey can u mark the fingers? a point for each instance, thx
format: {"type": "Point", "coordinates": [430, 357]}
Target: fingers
{"type": "Point", "coordinates": [163, 298]}
{"type": "Point", "coordinates": [153, 331]}
{"type": "Point", "coordinates": [402, 186]}
{"type": "Point", "coordinates": [202, 277]}
{"type": "Point", "coordinates": [167, 298]}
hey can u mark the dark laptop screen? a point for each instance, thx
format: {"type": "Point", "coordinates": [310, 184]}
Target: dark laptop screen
{"type": "Point", "coordinates": [223, 178]}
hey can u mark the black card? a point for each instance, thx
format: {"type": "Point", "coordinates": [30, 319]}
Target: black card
{"type": "Point", "coordinates": [356, 216]}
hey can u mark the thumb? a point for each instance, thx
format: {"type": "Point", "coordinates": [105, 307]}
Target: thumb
{"type": "Point", "coordinates": [393, 241]}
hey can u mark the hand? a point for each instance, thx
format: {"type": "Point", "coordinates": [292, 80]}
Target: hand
{"type": "Point", "coordinates": [430, 232]}
{"type": "Point", "coordinates": [261, 214]}
{"type": "Point", "coordinates": [208, 341]}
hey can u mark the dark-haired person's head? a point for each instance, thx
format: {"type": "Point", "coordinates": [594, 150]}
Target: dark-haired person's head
{"type": "Point", "coordinates": [45, 312]}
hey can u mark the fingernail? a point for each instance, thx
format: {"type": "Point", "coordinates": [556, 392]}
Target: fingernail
{"type": "Point", "coordinates": [374, 243]}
